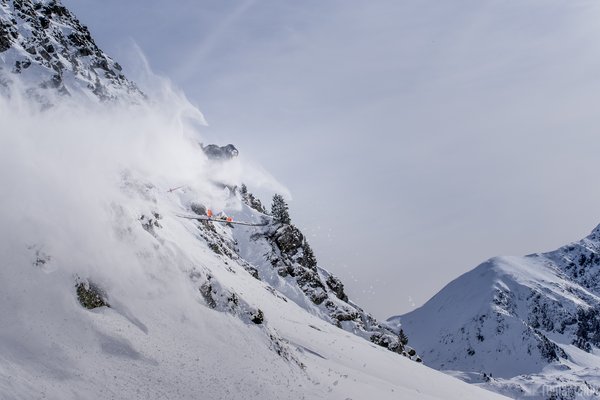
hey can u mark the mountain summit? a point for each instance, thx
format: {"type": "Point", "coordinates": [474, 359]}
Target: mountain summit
{"type": "Point", "coordinates": [526, 326]}
{"type": "Point", "coordinates": [44, 47]}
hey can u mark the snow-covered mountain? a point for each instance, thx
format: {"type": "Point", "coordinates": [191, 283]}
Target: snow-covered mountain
{"type": "Point", "coordinates": [107, 293]}
{"type": "Point", "coordinates": [177, 315]}
{"type": "Point", "coordinates": [46, 49]}
{"type": "Point", "coordinates": [524, 326]}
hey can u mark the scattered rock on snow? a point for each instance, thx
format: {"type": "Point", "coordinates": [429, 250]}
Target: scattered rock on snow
{"type": "Point", "coordinates": [90, 295]}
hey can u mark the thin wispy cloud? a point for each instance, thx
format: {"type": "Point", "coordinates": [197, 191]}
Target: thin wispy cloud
{"type": "Point", "coordinates": [193, 57]}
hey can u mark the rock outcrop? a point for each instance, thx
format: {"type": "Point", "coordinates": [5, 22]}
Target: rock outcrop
{"type": "Point", "coordinates": [44, 47]}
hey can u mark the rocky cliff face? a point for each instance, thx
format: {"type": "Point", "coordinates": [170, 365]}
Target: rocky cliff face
{"type": "Point", "coordinates": [524, 325]}
{"type": "Point", "coordinates": [46, 49]}
{"type": "Point", "coordinates": [279, 255]}
{"type": "Point", "coordinates": [291, 258]}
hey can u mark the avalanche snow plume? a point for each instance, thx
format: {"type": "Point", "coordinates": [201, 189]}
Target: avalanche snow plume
{"type": "Point", "coordinates": [106, 293]}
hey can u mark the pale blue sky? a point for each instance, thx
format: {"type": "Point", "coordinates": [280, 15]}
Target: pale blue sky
{"type": "Point", "coordinates": [417, 138]}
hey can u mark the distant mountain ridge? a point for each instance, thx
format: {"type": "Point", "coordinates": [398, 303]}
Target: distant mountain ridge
{"type": "Point", "coordinates": [44, 47]}
{"type": "Point", "coordinates": [525, 326]}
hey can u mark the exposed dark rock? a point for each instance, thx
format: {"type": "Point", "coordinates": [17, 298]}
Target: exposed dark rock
{"type": "Point", "coordinates": [289, 239]}
{"type": "Point", "coordinates": [337, 287]}
{"type": "Point", "coordinates": [252, 201]}
{"type": "Point", "coordinates": [44, 22]}
{"type": "Point", "coordinates": [588, 328]}
{"type": "Point", "coordinates": [292, 259]}
{"type": "Point", "coordinates": [252, 271]}
{"type": "Point", "coordinates": [221, 153]}
{"type": "Point", "coordinates": [55, 40]}
{"type": "Point", "coordinates": [388, 341]}
{"type": "Point", "coordinates": [5, 36]}
{"type": "Point", "coordinates": [258, 317]}
{"type": "Point", "coordinates": [548, 349]}
{"type": "Point", "coordinates": [90, 295]}
{"type": "Point", "coordinates": [198, 209]}
{"type": "Point", "coordinates": [215, 248]}
{"type": "Point", "coordinates": [341, 315]}
{"type": "Point", "coordinates": [206, 291]}
{"type": "Point", "coordinates": [311, 284]}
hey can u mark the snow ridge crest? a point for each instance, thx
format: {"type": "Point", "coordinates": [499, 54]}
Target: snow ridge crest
{"type": "Point", "coordinates": [515, 324]}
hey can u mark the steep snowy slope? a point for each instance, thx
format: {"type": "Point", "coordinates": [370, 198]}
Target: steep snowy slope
{"type": "Point", "coordinates": [184, 319]}
{"type": "Point", "coordinates": [46, 47]}
{"type": "Point", "coordinates": [107, 294]}
{"type": "Point", "coordinates": [531, 323]}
